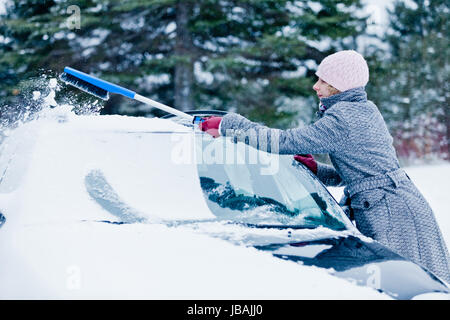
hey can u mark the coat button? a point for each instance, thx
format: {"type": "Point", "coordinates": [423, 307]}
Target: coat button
{"type": "Point", "coordinates": [366, 204]}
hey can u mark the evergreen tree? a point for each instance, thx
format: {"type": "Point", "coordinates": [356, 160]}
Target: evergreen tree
{"type": "Point", "coordinates": [36, 42]}
{"type": "Point", "coordinates": [412, 82]}
{"type": "Point", "coordinates": [256, 57]}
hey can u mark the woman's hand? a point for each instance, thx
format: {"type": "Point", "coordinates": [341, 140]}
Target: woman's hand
{"type": "Point", "coordinates": [210, 125]}
{"type": "Point", "coordinates": [308, 161]}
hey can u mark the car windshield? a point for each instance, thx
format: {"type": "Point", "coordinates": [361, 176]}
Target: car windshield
{"type": "Point", "coordinates": [250, 186]}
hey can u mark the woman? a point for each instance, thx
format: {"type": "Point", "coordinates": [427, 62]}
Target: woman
{"type": "Point", "coordinates": [386, 204]}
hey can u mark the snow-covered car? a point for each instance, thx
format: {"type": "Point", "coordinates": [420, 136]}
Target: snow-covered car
{"type": "Point", "coordinates": [120, 207]}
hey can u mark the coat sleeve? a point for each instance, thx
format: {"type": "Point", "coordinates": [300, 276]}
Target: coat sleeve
{"type": "Point", "coordinates": [323, 136]}
{"type": "Point", "coordinates": [329, 176]}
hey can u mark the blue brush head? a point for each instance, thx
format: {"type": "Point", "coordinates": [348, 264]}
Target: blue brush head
{"type": "Point", "coordinates": [85, 86]}
{"type": "Point", "coordinates": [93, 85]}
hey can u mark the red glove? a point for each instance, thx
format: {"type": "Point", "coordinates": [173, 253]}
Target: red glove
{"type": "Point", "coordinates": [308, 161]}
{"type": "Point", "coordinates": [211, 125]}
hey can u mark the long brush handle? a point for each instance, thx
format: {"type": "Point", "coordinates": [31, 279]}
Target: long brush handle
{"type": "Point", "coordinates": [163, 107]}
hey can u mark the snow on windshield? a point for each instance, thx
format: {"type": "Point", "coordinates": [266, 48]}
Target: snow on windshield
{"type": "Point", "coordinates": [45, 160]}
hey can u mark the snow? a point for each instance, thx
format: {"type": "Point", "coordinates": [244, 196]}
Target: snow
{"type": "Point", "coordinates": [89, 260]}
{"type": "Point", "coordinates": [377, 23]}
{"type": "Point", "coordinates": [95, 38]}
{"type": "Point", "coordinates": [121, 154]}
{"type": "Point", "coordinates": [202, 75]}
{"type": "Point", "coordinates": [36, 95]}
{"type": "Point", "coordinates": [55, 246]}
{"type": "Point", "coordinates": [434, 183]}
{"type": "Point", "coordinates": [3, 4]}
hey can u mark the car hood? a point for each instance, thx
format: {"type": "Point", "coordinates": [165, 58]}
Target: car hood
{"type": "Point", "coordinates": [364, 262]}
{"type": "Point", "coordinates": [345, 254]}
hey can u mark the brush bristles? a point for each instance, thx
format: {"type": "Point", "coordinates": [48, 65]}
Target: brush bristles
{"type": "Point", "coordinates": [85, 86]}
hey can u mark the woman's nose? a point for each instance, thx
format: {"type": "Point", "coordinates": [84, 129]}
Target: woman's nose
{"type": "Point", "coordinates": [315, 88]}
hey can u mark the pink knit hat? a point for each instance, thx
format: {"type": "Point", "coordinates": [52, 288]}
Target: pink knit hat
{"type": "Point", "coordinates": [344, 70]}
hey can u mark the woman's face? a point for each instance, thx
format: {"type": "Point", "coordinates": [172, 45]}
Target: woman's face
{"type": "Point", "coordinates": [323, 89]}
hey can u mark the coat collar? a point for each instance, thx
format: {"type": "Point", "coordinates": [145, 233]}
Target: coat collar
{"type": "Point", "coordinates": [353, 95]}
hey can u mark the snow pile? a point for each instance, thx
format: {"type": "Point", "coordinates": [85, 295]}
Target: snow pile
{"type": "Point", "coordinates": [89, 260]}
{"type": "Point", "coordinates": [47, 161]}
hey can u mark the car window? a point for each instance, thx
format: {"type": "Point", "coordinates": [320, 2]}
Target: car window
{"type": "Point", "coordinates": [243, 184]}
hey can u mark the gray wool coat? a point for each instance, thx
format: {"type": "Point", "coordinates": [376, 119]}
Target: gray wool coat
{"type": "Point", "coordinates": [387, 205]}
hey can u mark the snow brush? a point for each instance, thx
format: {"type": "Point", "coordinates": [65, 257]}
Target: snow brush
{"type": "Point", "coordinates": [101, 89]}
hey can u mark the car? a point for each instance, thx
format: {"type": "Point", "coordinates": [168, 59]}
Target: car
{"type": "Point", "coordinates": [90, 197]}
